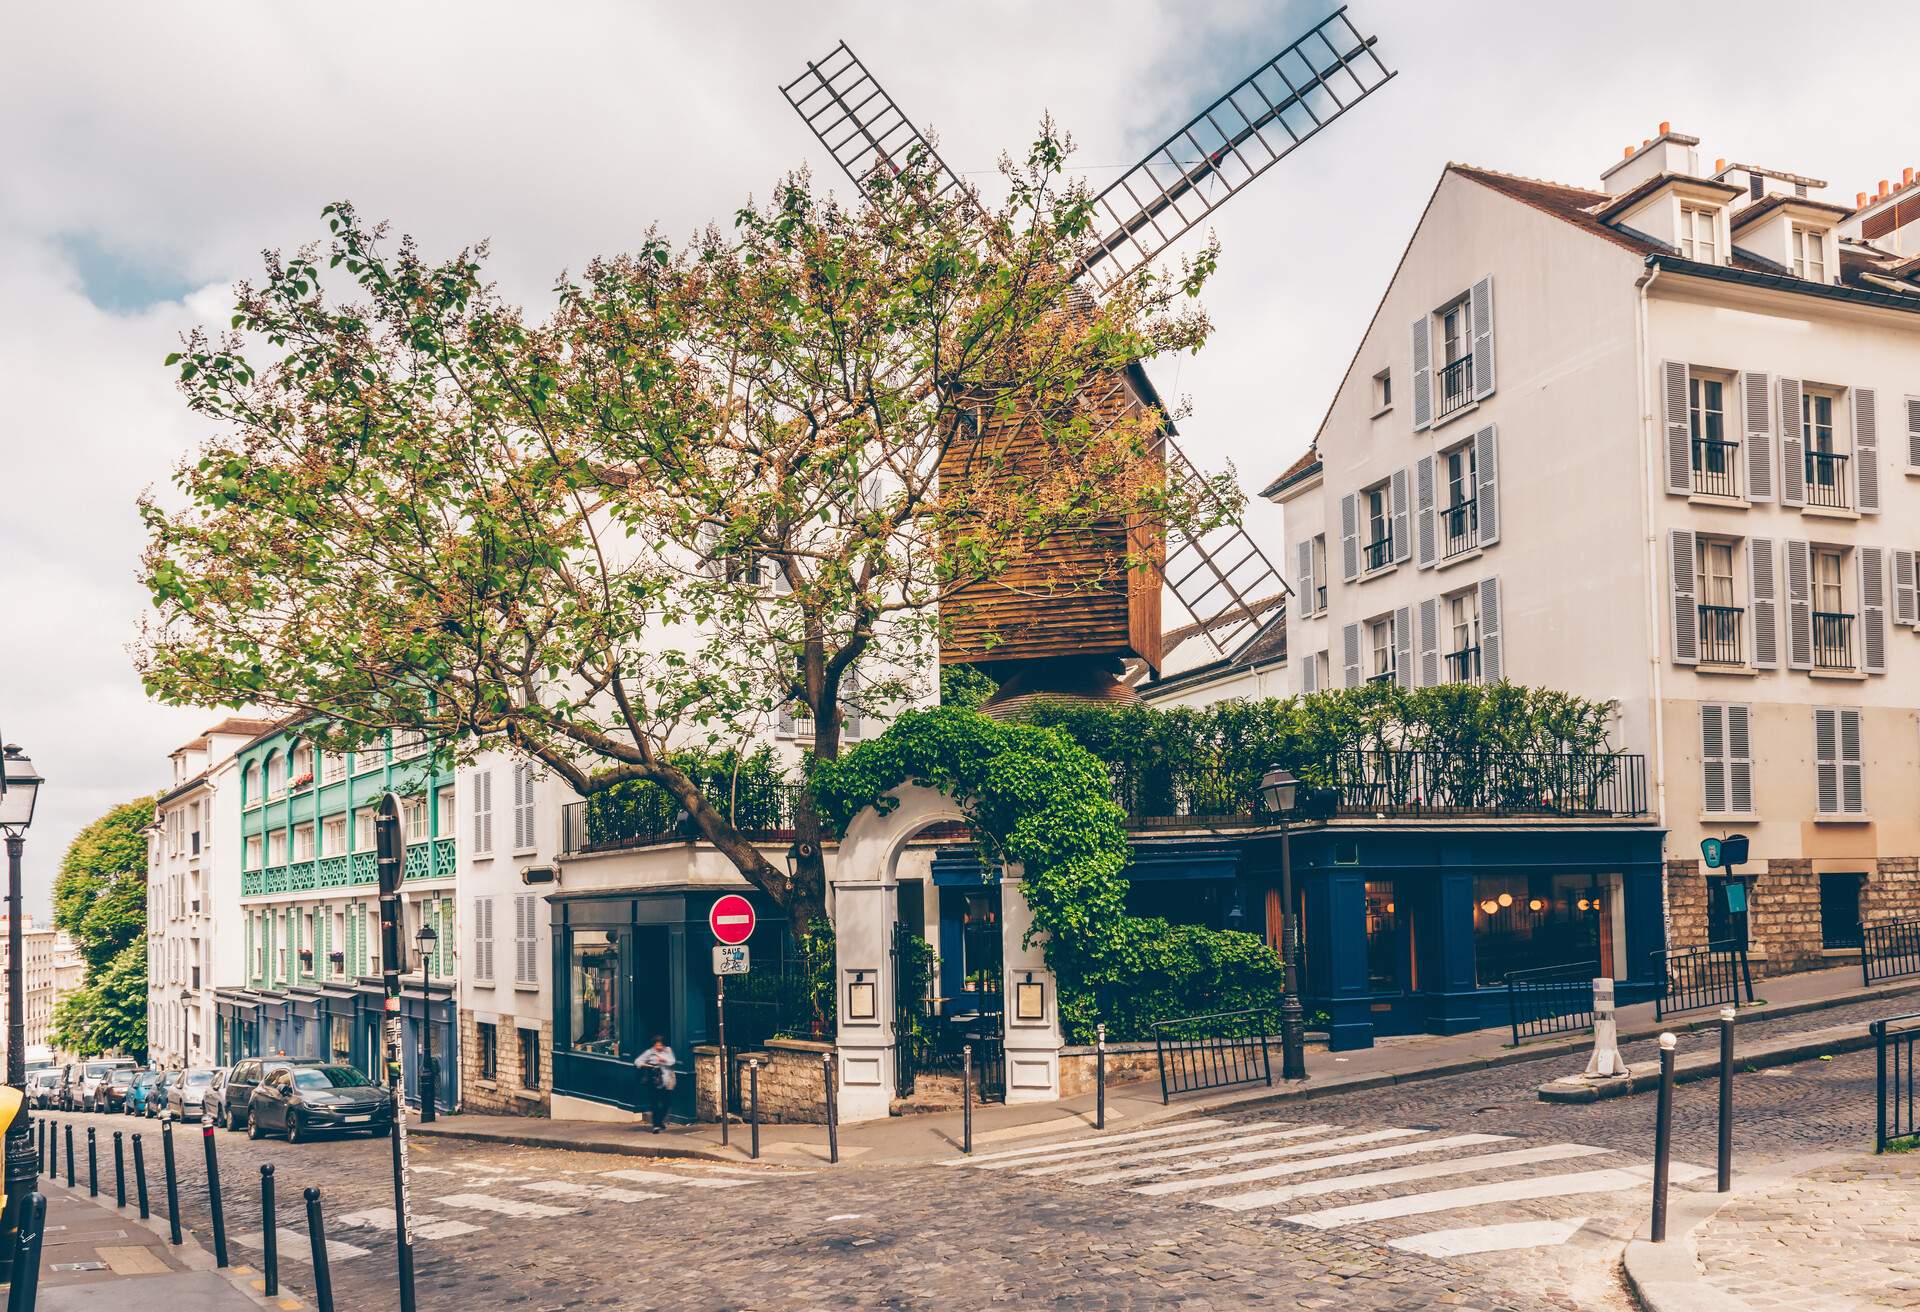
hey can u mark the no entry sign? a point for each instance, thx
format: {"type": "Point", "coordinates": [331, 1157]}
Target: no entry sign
{"type": "Point", "coordinates": [731, 919]}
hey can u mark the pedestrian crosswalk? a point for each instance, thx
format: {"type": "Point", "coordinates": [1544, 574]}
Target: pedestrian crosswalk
{"type": "Point", "coordinates": [1496, 1191]}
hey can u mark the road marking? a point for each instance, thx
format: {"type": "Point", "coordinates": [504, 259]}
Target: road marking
{"type": "Point", "coordinates": [1067, 1153]}
{"type": "Point", "coordinates": [1156, 1132]}
{"type": "Point", "coordinates": [424, 1226]}
{"type": "Point", "coordinates": [668, 1177]}
{"type": "Point", "coordinates": [296, 1247]}
{"type": "Point", "coordinates": [1612, 1180]}
{"type": "Point", "coordinates": [1128, 1171]}
{"type": "Point", "coordinates": [1134, 1159]}
{"type": "Point", "coordinates": [846, 1216]}
{"type": "Point", "coordinates": [1188, 1182]}
{"type": "Point", "coordinates": [504, 1206]}
{"type": "Point", "coordinates": [1058, 1125]}
{"type": "Point", "coordinates": [1490, 1238]}
{"type": "Point", "coordinates": [581, 1189]}
{"type": "Point", "coordinates": [1402, 1174]}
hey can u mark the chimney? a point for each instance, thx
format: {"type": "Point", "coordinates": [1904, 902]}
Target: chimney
{"type": "Point", "coordinates": [1665, 127]}
{"type": "Point", "coordinates": [1859, 200]}
{"type": "Point", "coordinates": [1883, 186]}
{"type": "Point", "coordinates": [1906, 176]}
{"type": "Point", "coordinates": [1669, 153]}
{"type": "Point", "coordinates": [1720, 165]}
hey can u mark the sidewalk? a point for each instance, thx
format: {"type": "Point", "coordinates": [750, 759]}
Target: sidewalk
{"type": "Point", "coordinates": [922, 1138]}
{"type": "Point", "coordinates": [95, 1257]}
{"type": "Point", "coordinates": [1835, 1235]}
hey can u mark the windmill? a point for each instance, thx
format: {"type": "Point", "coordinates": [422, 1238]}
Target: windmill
{"type": "Point", "coordinates": [1035, 635]}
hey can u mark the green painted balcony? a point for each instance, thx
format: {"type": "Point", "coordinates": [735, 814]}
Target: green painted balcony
{"type": "Point", "coordinates": [432, 859]}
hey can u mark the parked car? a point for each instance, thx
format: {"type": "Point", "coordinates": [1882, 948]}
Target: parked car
{"type": "Point", "coordinates": [186, 1095]}
{"type": "Point", "coordinates": [156, 1101]}
{"type": "Point", "coordinates": [111, 1096]}
{"type": "Point", "coordinates": [98, 1073]}
{"type": "Point", "coordinates": [43, 1086]}
{"type": "Point", "coordinates": [137, 1092]}
{"type": "Point", "coordinates": [243, 1077]}
{"type": "Point", "coordinates": [300, 1100]}
{"type": "Point", "coordinates": [66, 1095]}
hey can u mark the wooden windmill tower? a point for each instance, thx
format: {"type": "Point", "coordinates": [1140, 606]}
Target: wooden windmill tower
{"type": "Point", "coordinates": [1061, 621]}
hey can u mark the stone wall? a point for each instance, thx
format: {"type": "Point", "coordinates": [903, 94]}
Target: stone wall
{"type": "Point", "coordinates": [1893, 891]}
{"type": "Point", "coordinates": [1125, 1061]}
{"type": "Point", "coordinates": [792, 1081]}
{"type": "Point", "coordinates": [505, 1091]}
{"type": "Point", "coordinates": [1783, 919]}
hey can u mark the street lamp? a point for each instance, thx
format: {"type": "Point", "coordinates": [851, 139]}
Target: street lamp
{"type": "Point", "coordinates": [1278, 790]}
{"type": "Point", "coordinates": [429, 1075]}
{"type": "Point", "coordinates": [19, 790]}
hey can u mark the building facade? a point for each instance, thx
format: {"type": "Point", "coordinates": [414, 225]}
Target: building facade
{"type": "Point", "coordinates": [1656, 442]}
{"type": "Point", "coordinates": [38, 975]}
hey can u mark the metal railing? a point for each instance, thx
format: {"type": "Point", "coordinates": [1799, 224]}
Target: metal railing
{"type": "Point", "coordinates": [1890, 949]}
{"type": "Point", "coordinates": [1832, 640]}
{"type": "Point", "coordinates": [1720, 628]}
{"type": "Point", "coordinates": [645, 814]}
{"type": "Point", "coordinates": [1551, 999]}
{"type": "Point", "coordinates": [1456, 386]}
{"type": "Point", "coordinates": [1380, 551]}
{"type": "Point", "coordinates": [1213, 1052]}
{"type": "Point", "coordinates": [1897, 1109]}
{"type": "Point", "coordinates": [1463, 666]}
{"type": "Point", "coordinates": [1462, 525]}
{"type": "Point", "coordinates": [1385, 676]}
{"type": "Point", "coordinates": [1827, 480]}
{"type": "Point", "coordinates": [1707, 975]}
{"type": "Point", "coordinates": [1716, 467]}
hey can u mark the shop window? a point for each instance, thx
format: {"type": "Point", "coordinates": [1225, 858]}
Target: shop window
{"type": "Point", "coordinates": [1386, 943]}
{"type": "Point", "coordinates": [980, 943]}
{"type": "Point", "coordinates": [1840, 910]}
{"type": "Point", "coordinates": [529, 1059]}
{"type": "Point", "coordinates": [594, 971]}
{"type": "Point", "coordinates": [1532, 922]}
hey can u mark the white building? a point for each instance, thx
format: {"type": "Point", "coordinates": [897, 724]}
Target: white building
{"type": "Point", "coordinates": [193, 894]}
{"type": "Point", "coordinates": [38, 950]}
{"type": "Point", "coordinates": [1655, 441]}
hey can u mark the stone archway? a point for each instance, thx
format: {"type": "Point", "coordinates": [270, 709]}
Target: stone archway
{"type": "Point", "coordinates": [863, 902]}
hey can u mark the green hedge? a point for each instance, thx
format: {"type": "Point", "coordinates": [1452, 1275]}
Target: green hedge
{"type": "Point", "coordinates": [750, 789]}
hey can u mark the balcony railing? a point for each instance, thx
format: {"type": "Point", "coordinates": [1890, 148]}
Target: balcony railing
{"type": "Point", "coordinates": [1385, 676]}
{"type": "Point", "coordinates": [1456, 386]}
{"type": "Point", "coordinates": [1463, 666]}
{"type": "Point", "coordinates": [1380, 551]}
{"type": "Point", "coordinates": [1716, 467]}
{"type": "Point", "coordinates": [1720, 628]}
{"type": "Point", "coordinates": [1461, 524]}
{"type": "Point", "coordinates": [644, 815]}
{"type": "Point", "coordinates": [1827, 480]}
{"type": "Point", "coordinates": [1832, 640]}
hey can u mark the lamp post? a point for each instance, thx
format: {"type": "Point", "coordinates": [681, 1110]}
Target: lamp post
{"type": "Point", "coordinates": [429, 1076]}
{"type": "Point", "coordinates": [19, 790]}
{"type": "Point", "coordinates": [1278, 789]}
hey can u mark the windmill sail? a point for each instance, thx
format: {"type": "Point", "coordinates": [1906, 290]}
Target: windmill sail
{"type": "Point", "coordinates": [857, 121]}
{"type": "Point", "coordinates": [1220, 577]}
{"type": "Point", "coordinates": [1234, 140]}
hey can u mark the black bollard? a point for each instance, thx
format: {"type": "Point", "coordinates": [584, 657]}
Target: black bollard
{"type": "Point", "coordinates": [26, 1266]}
{"type": "Point", "coordinates": [753, 1101]}
{"type": "Point", "coordinates": [833, 1111]}
{"type": "Point", "coordinates": [966, 1098]}
{"type": "Point", "coordinates": [69, 1154]}
{"type": "Point", "coordinates": [1663, 1140]}
{"type": "Point", "coordinates": [119, 1170]}
{"type": "Point", "coordinates": [93, 1166]}
{"type": "Point", "coordinates": [173, 1179]}
{"type": "Point", "coordinates": [213, 1198]}
{"type": "Point", "coordinates": [53, 1151]}
{"type": "Point", "coordinates": [1100, 1077]}
{"type": "Point", "coordinates": [1726, 1099]}
{"type": "Point", "coordinates": [140, 1176]}
{"type": "Point", "coordinates": [317, 1237]}
{"type": "Point", "coordinates": [269, 1231]}
{"type": "Point", "coordinates": [42, 1123]}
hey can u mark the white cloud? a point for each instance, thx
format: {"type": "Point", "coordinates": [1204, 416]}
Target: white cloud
{"type": "Point", "coordinates": [185, 138]}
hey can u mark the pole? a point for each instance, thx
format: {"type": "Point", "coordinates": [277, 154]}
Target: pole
{"type": "Point", "coordinates": [390, 859]}
{"type": "Point", "coordinates": [49, 1145]}
{"type": "Point", "coordinates": [173, 1179]}
{"type": "Point", "coordinates": [726, 1058]}
{"type": "Point", "coordinates": [833, 1112]}
{"type": "Point", "coordinates": [93, 1164]}
{"type": "Point", "coordinates": [33, 1228]}
{"type": "Point", "coordinates": [119, 1170]}
{"type": "Point", "coordinates": [317, 1237]}
{"type": "Point", "coordinates": [1100, 1076]}
{"type": "Point", "coordinates": [140, 1176]}
{"type": "Point", "coordinates": [269, 1231]}
{"type": "Point", "coordinates": [213, 1198]}
{"type": "Point", "coordinates": [69, 1154]}
{"type": "Point", "coordinates": [1726, 1099]}
{"type": "Point", "coordinates": [1663, 1140]}
{"type": "Point", "coordinates": [22, 1163]}
{"type": "Point", "coordinates": [1293, 1040]}
{"type": "Point", "coordinates": [753, 1097]}
{"type": "Point", "coordinates": [966, 1098]}
{"type": "Point", "coordinates": [429, 1077]}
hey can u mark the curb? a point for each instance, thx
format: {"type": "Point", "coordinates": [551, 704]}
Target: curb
{"type": "Point", "coordinates": [1643, 1076]}
{"type": "Point", "coordinates": [614, 1147]}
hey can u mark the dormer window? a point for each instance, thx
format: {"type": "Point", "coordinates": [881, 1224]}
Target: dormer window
{"type": "Point", "coordinates": [1699, 239]}
{"type": "Point", "coordinates": [1809, 253]}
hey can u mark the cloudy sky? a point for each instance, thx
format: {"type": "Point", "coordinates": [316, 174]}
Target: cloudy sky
{"type": "Point", "coordinates": [150, 152]}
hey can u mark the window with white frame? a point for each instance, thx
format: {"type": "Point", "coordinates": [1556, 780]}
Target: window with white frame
{"type": "Point", "coordinates": [408, 743]}
{"type": "Point", "coordinates": [277, 847]}
{"type": "Point", "coordinates": [1460, 515]}
{"type": "Point", "coordinates": [1699, 234]}
{"type": "Point", "coordinates": [1722, 619]}
{"type": "Point", "coordinates": [333, 767]}
{"type": "Point", "coordinates": [524, 832]}
{"type": "Point", "coordinates": [253, 849]}
{"type": "Point", "coordinates": [1380, 638]}
{"type": "Point", "coordinates": [276, 775]}
{"type": "Point", "coordinates": [1319, 599]}
{"type": "Point", "coordinates": [1809, 253]}
{"type": "Point", "coordinates": [413, 814]}
{"type": "Point", "coordinates": [1383, 391]}
{"type": "Point", "coordinates": [301, 764]}
{"type": "Point", "coordinates": [363, 831]}
{"type": "Point", "coordinates": [333, 836]}
{"type": "Point", "coordinates": [338, 943]}
{"type": "Point", "coordinates": [1463, 637]}
{"type": "Point", "coordinates": [447, 818]}
{"type": "Point", "coordinates": [303, 842]}
{"type": "Point", "coordinates": [1826, 463]}
{"type": "Point", "coordinates": [1376, 509]}
{"type": "Point", "coordinates": [1715, 472]}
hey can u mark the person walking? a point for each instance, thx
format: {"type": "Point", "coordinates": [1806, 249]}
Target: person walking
{"type": "Point", "coordinates": [656, 1071]}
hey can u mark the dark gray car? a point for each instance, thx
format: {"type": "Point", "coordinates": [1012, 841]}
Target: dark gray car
{"type": "Point", "coordinates": [242, 1078]}
{"type": "Point", "coordinates": [300, 1100]}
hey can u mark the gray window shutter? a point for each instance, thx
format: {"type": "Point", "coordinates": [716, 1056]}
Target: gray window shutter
{"type": "Point", "coordinates": [1826, 760]}
{"type": "Point", "coordinates": [1763, 589]}
{"type": "Point", "coordinates": [1430, 642]}
{"type": "Point", "coordinates": [1913, 433]}
{"type": "Point", "coordinates": [1482, 320]}
{"type": "Point", "coordinates": [1906, 600]}
{"type": "Point", "coordinates": [1740, 759]}
{"type": "Point", "coordinates": [1873, 607]}
{"type": "Point", "coordinates": [1799, 606]}
{"type": "Point", "coordinates": [1713, 758]}
{"type": "Point", "coordinates": [1303, 577]}
{"type": "Point", "coordinates": [1402, 530]}
{"type": "Point", "coordinates": [1866, 450]}
{"type": "Point", "coordinates": [1486, 462]}
{"type": "Point", "coordinates": [1423, 372]}
{"type": "Point", "coordinates": [1493, 665]}
{"type": "Point", "coordinates": [1853, 800]}
{"type": "Point", "coordinates": [483, 938]}
{"type": "Point", "coordinates": [1426, 552]}
{"type": "Point", "coordinates": [483, 811]}
{"type": "Point", "coordinates": [1756, 388]}
{"type": "Point", "coordinates": [1403, 646]}
{"type": "Point", "coordinates": [1308, 668]}
{"type": "Point", "coordinates": [1350, 650]}
{"type": "Point", "coordinates": [526, 932]}
{"type": "Point", "coordinates": [783, 724]}
{"type": "Point", "coordinates": [1686, 619]}
{"type": "Point", "coordinates": [1673, 392]}
{"type": "Point", "coordinates": [1350, 536]}
{"type": "Point", "coordinates": [1793, 447]}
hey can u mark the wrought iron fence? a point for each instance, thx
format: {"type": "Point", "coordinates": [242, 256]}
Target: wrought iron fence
{"type": "Point", "coordinates": [1462, 523]}
{"type": "Point", "coordinates": [1832, 640]}
{"type": "Point", "coordinates": [1456, 385]}
{"type": "Point", "coordinates": [1215, 1051]}
{"type": "Point", "coordinates": [645, 813]}
{"type": "Point", "coordinates": [1720, 634]}
{"type": "Point", "coordinates": [1826, 479]}
{"type": "Point", "coordinates": [1463, 666]}
{"type": "Point", "coordinates": [1380, 552]}
{"type": "Point", "coordinates": [1707, 975]}
{"type": "Point", "coordinates": [787, 996]}
{"type": "Point", "coordinates": [1890, 949]}
{"type": "Point", "coordinates": [1716, 467]}
{"type": "Point", "coordinates": [1897, 1107]}
{"type": "Point", "coordinates": [1551, 999]}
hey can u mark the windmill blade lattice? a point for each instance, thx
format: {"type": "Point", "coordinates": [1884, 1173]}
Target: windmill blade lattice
{"type": "Point", "coordinates": [857, 121]}
{"type": "Point", "coordinates": [1241, 135]}
{"type": "Point", "coordinates": [1220, 577]}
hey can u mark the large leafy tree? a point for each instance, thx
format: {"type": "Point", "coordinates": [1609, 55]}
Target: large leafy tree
{"type": "Point", "coordinates": [100, 899]}
{"type": "Point", "coordinates": [700, 491]}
